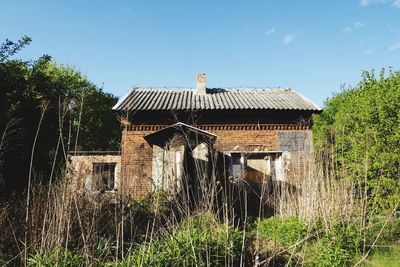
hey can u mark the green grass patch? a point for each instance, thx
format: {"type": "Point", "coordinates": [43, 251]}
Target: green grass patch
{"type": "Point", "coordinates": [384, 257]}
{"type": "Point", "coordinates": [198, 241]}
{"type": "Point", "coordinates": [282, 231]}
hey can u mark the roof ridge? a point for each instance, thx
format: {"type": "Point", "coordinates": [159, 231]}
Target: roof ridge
{"type": "Point", "coordinates": [231, 98]}
{"type": "Point", "coordinates": [143, 88]}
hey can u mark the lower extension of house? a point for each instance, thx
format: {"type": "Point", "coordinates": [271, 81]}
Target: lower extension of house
{"type": "Point", "coordinates": [177, 139]}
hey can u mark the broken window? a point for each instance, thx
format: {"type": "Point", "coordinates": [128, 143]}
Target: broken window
{"type": "Point", "coordinates": [238, 161]}
{"type": "Point", "coordinates": [258, 167]}
{"type": "Point", "coordinates": [103, 176]}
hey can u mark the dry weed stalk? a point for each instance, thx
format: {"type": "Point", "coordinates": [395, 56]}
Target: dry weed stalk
{"type": "Point", "coordinates": [317, 194]}
{"type": "Point", "coordinates": [43, 107]}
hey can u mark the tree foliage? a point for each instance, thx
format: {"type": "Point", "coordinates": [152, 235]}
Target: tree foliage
{"type": "Point", "coordinates": [78, 116]}
{"type": "Point", "coordinates": [359, 131]}
{"type": "Point", "coordinates": [9, 48]}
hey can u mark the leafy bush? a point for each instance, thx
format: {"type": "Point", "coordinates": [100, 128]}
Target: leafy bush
{"type": "Point", "coordinates": [326, 252]}
{"type": "Point", "coordinates": [389, 234]}
{"type": "Point", "coordinates": [359, 130]}
{"type": "Point", "coordinates": [386, 257]}
{"type": "Point", "coordinates": [339, 247]}
{"type": "Point", "coordinates": [283, 231]}
{"type": "Point", "coordinates": [58, 257]}
{"type": "Point", "coordinates": [199, 241]}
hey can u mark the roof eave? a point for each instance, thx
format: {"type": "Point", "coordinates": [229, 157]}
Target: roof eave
{"type": "Point", "coordinates": [117, 106]}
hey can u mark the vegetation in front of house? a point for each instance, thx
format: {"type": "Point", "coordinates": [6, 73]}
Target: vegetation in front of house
{"type": "Point", "coordinates": [197, 241]}
{"type": "Point", "coordinates": [341, 214]}
{"type": "Point", "coordinates": [57, 257]}
{"type": "Point", "coordinates": [204, 240]}
{"type": "Point", "coordinates": [360, 127]}
{"type": "Point", "coordinates": [282, 231]}
{"type": "Point", "coordinates": [387, 256]}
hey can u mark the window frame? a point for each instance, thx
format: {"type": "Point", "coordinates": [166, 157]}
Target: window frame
{"type": "Point", "coordinates": [98, 184]}
{"type": "Point", "coordinates": [241, 158]}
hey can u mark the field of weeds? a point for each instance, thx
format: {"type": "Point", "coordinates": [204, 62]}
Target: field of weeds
{"type": "Point", "coordinates": [65, 227]}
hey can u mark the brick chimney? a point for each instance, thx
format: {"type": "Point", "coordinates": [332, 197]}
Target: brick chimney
{"type": "Point", "coordinates": [201, 84]}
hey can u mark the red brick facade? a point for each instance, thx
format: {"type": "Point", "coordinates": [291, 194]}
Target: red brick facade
{"type": "Point", "coordinates": [136, 160]}
{"type": "Point", "coordinates": [136, 153]}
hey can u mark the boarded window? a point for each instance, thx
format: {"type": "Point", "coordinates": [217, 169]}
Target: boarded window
{"type": "Point", "coordinates": [294, 141]}
{"type": "Point", "coordinates": [167, 166]}
{"type": "Point", "coordinates": [104, 176]}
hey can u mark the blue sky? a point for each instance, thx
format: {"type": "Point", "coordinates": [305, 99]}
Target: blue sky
{"type": "Point", "coordinates": [311, 46]}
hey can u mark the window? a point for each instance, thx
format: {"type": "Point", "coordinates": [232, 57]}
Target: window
{"type": "Point", "coordinates": [103, 176]}
{"type": "Point", "coordinates": [238, 166]}
{"type": "Point", "coordinates": [258, 167]}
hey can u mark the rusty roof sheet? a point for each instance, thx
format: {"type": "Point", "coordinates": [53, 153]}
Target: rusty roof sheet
{"type": "Point", "coordinates": [153, 99]}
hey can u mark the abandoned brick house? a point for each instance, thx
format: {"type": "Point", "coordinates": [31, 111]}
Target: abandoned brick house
{"type": "Point", "coordinates": [172, 133]}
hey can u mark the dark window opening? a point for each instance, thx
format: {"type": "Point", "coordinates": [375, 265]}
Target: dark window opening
{"type": "Point", "coordinates": [257, 167]}
{"type": "Point", "coordinates": [104, 176]}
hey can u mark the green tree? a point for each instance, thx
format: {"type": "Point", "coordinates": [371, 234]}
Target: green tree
{"type": "Point", "coordinates": [9, 48]}
{"type": "Point", "coordinates": [24, 86]}
{"type": "Point", "coordinates": [359, 131]}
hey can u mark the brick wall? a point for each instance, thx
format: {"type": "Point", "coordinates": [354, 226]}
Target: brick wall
{"type": "Point", "coordinates": [136, 161]}
{"type": "Point", "coordinates": [136, 153]}
{"type": "Point", "coordinates": [80, 168]}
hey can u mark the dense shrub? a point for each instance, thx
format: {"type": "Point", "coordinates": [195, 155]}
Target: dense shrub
{"type": "Point", "coordinates": [359, 130]}
{"type": "Point", "coordinates": [325, 252]}
{"type": "Point", "coordinates": [75, 111]}
{"type": "Point", "coordinates": [283, 231]}
{"type": "Point", "coordinates": [388, 232]}
{"type": "Point", "coordinates": [198, 241]}
{"type": "Point", "coordinates": [340, 246]}
{"type": "Point", "coordinates": [387, 257]}
{"type": "Point", "coordinates": [58, 257]}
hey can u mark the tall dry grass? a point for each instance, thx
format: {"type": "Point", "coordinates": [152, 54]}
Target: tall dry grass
{"type": "Point", "coordinates": [318, 194]}
{"type": "Point", "coordinates": [111, 227]}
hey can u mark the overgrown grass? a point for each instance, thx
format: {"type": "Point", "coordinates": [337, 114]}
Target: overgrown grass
{"type": "Point", "coordinates": [103, 233]}
{"type": "Point", "coordinates": [340, 246]}
{"type": "Point", "coordinates": [281, 241]}
{"type": "Point", "coordinates": [282, 231]}
{"type": "Point", "coordinates": [198, 241]}
{"type": "Point", "coordinates": [73, 228]}
{"type": "Point", "coordinates": [57, 257]}
{"type": "Point", "coordinates": [388, 256]}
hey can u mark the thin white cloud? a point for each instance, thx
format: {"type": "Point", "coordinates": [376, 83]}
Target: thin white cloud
{"type": "Point", "coordinates": [394, 47]}
{"type": "Point", "coordinates": [125, 9]}
{"type": "Point", "coordinates": [396, 3]}
{"type": "Point", "coordinates": [270, 32]}
{"type": "Point", "coordinates": [358, 24]}
{"type": "Point", "coordinates": [369, 2]}
{"type": "Point", "coordinates": [347, 29]}
{"type": "Point", "coordinates": [289, 38]}
{"type": "Point", "coordinates": [369, 51]}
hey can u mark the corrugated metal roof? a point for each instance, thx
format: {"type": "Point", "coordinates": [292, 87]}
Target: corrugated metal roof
{"type": "Point", "coordinates": [216, 99]}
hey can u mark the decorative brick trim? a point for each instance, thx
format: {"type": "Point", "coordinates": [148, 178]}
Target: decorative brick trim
{"type": "Point", "coordinates": [224, 127]}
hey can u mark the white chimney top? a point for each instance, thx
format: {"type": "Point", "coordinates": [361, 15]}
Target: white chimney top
{"type": "Point", "coordinates": [201, 84]}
